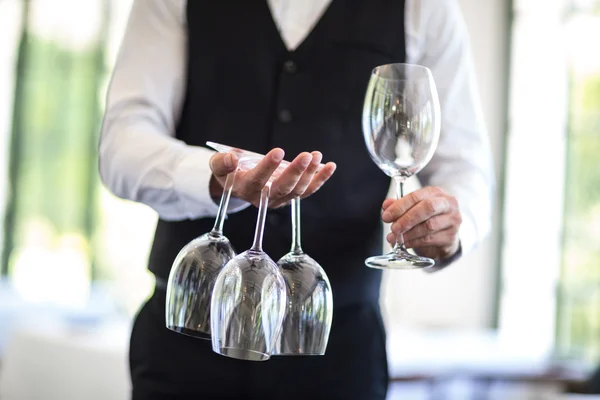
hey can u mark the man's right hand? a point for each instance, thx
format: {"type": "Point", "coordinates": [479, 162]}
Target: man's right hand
{"type": "Point", "coordinates": [299, 179]}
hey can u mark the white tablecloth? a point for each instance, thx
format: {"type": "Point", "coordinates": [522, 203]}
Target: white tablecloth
{"type": "Point", "coordinates": [49, 360]}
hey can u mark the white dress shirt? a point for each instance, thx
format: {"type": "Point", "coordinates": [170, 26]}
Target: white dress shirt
{"type": "Point", "coordinates": [141, 160]}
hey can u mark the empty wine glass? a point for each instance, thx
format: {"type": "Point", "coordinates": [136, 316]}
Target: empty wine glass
{"type": "Point", "coordinates": [309, 312]}
{"type": "Point", "coordinates": [401, 126]}
{"type": "Point", "coordinates": [193, 275]}
{"type": "Point", "coordinates": [248, 302]}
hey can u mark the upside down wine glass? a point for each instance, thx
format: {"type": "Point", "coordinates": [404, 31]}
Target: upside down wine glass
{"type": "Point", "coordinates": [401, 127]}
{"type": "Point", "coordinates": [309, 310]}
{"type": "Point", "coordinates": [248, 303]}
{"type": "Point", "coordinates": [193, 275]}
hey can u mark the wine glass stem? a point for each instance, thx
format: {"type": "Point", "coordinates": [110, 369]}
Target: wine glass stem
{"type": "Point", "coordinates": [399, 245]}
{"type": "Point", "coordinates": [262, 215]}
{"type": "Point", "coordinates": [224, 203]}
{"type": "Point", "coordinates": [296, 245]}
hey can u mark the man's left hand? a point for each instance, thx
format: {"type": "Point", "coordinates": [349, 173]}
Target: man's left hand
{"type": "Point", "coordinates": [428, 218]}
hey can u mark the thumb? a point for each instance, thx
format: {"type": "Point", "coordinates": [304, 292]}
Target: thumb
{"type": "Point", "coordinates": [222, 164]}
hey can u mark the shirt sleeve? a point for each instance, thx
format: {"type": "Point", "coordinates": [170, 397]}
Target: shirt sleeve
{"type": "Point", "coordinates": [139, 157]}
{"type": "Point", "coordinates": [437, 38]}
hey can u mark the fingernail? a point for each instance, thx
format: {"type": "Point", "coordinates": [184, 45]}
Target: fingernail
{"type": "Point", "coordinates": [305, 161]}
{"type": "Point", "coordinates": [278, 155]}
{"type": "Point", "coordinates": [317, 157]}
{"type": "Point", "coordinates": [228, 160]}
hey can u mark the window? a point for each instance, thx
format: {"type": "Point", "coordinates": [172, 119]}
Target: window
{"type": "Point", "coordinates": [579, 297]}
{"type": "Point", "coordinates": [64, 229]}
{"type": "Point", "coordinates": [551, 263]}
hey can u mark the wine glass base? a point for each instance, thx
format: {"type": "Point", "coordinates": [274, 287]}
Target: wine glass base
{"type": "Point", "coordinates": [189, 332]}
{"type": "Point", "coordinates": [394, 260]}
{"type": "Point", "coordinates": [299, 354]}
{"type": "Point", "coordinates": [242, 354]}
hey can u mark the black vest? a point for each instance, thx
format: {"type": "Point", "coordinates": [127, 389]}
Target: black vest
{"type": "Point", "coordinates": [245, 89]}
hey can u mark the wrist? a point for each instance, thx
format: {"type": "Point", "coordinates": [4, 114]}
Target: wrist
{"type": "Point", "coordinates": [450, 258]}
{"type": "Point", "coordinates": [449, 252]}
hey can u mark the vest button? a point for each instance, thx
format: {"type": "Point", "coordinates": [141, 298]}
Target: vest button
{"type": "Point", "coordinates": [285, 116]}
{"type": "Point", "coordinates": [290, 67]}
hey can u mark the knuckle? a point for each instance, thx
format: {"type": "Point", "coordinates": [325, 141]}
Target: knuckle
{"type": "Point", "coordinates": [298, 169]}
{"type": "Point", "coordinates": [443, 204]}
{"type": "Point", "coordinates": [409, 222]}
{"type": "Point", "coordinates": [245, 195]}
{"type": "Point", "coordinates": [437, 190]}
{"type": "Point", "coordinates": [454, 230]}
{"type": "Point", "coordinates": [458, 219]}
{"type": "Point", "coordinates": [281, 192]}
{"type": "Point", "coordinates": [297, 192]}
{"type": "Point", "coordinates": [254, 181]}
{"type": "Point", "coordinates": [413, 197]}
{"type": "Point", "coordinates": [431, 225]}
{"type": "Point", "coordinates": [429, 239]}
{"type": "Point", "coordinates": [453, 202]}
{"type": "Point", "coordinates": [430, 206]}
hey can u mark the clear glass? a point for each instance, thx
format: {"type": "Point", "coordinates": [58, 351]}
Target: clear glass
{"type": "Point", "coordinates": [401, 126]}
{"type": "Point", "coordinates": [309, 310]}
{"type": "Point", "coordinates": [249, 299]}
{"type": "Point", "coordinates": [193, 276]}
{"type": "Point", "coordinates": [248, 159]}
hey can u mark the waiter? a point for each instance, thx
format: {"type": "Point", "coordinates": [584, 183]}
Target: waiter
{"type": "Point", "coordinates": [286, 76]}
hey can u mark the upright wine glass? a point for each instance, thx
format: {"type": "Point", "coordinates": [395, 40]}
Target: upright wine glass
{"type": "Point", "coordinates": [193, 275]}
{"type": "Point", "coordinates": [401, 126]}
{"type": "Point", "coordinates": [248, 302]}
{"type": "Point", "coordinates": [309, 312]}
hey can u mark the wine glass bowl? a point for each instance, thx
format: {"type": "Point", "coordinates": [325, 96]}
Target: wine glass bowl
{"type": "Point", "coordinates": [309, 309]}
{"type": "Point", "coordinates": [193, 274]}
{"type": "Point", "coordinates": [249, 298]}
{"type": "Point", "coordinates": [401, 127]}
{"type": "Point", "coordinates": [248, 307]}
{"type": "Point", "coordinates": [401, 118]}
{"type": "Point", "coordinates": [191, 283]}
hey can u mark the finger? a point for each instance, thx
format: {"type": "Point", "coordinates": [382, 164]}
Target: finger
{"type": "Point", "coordinates": [287, 181]}
{"type": "Point", "coordinates": [401, 206]}
{"type": "Point", "coordinates": [306, 177]}
{"type": "Point", "coordinates": [222, 164]}
{"type": "Point", "coordinates": [320, 178]}
{"type": "Point", "coordinates": [386, 204]}
{"type": "Point", "coordinates": [258, 176]}
{"type": "Point", "coordinates": [420, 213]}
{"type": "Point", "coordinates": [438, 239]}
{"type": "Point", "coordinates": [432, 225]}
{"type": "Point", "coordinates": [391, 238]}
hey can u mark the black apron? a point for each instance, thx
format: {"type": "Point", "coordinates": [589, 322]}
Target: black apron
{"type": "Point", "coordinates": [169, 366]}
{"type": "Point", "coordinates": [244, 88]}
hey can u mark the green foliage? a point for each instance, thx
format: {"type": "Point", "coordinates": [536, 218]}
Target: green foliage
{"type": "Point", "coordinates": [59, 126]}
{"type": "Point", "coordinates": [579, 324]}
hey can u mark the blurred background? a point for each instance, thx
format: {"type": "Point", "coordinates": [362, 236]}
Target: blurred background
{"type": "Point", "coordinates": [519, 318]}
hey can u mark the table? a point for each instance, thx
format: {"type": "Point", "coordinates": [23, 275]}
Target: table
{"type": "Point", "coordinates": [483, 357]}
{"type": "Point", "coordinates": [53, 360]}
{"type": "Point", "coordinates": [60, 359]}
